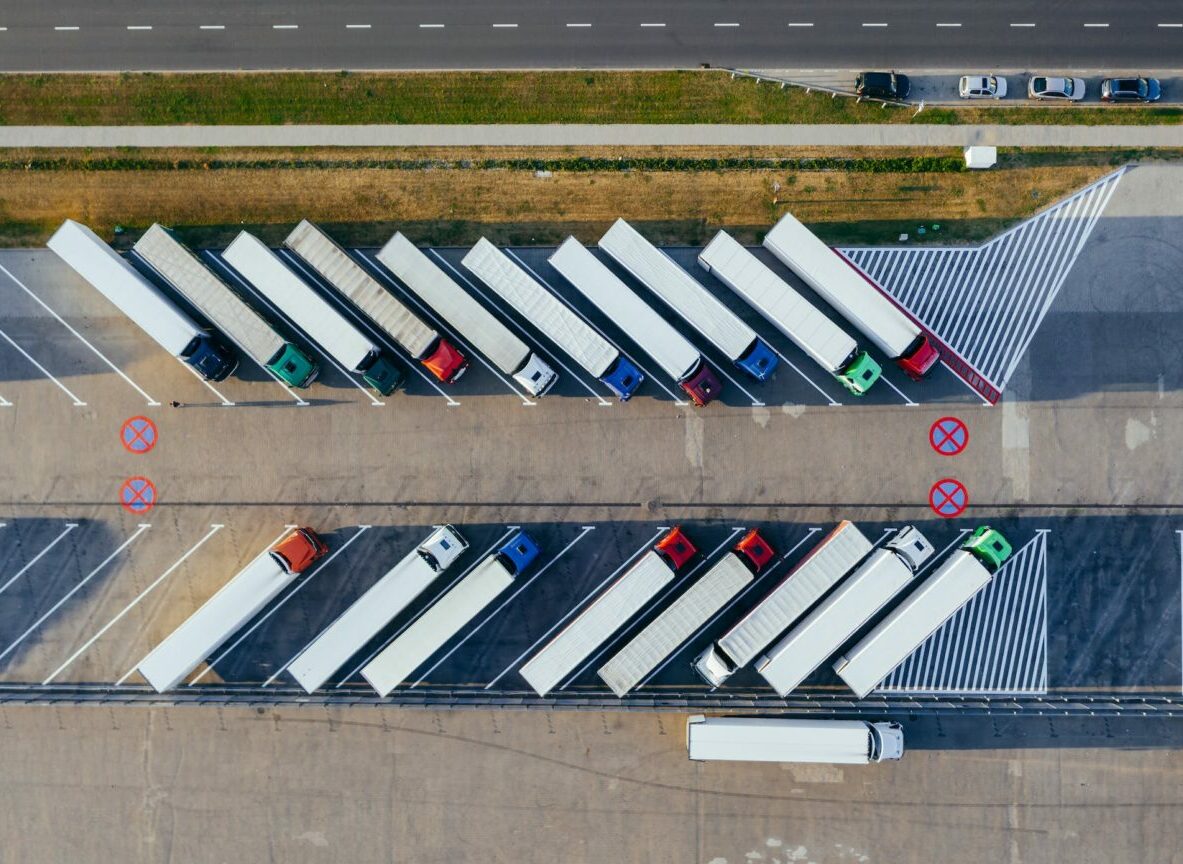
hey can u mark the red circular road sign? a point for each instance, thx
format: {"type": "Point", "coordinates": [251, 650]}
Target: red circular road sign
{"type": "Point", "coordinates": [948, 498]}
{"type": "Point", "coordinates": [948, 436]}
{"type": "Point", "coordinates": [138, 435]}
{"type": "Point", "coordinates": [137, 495]}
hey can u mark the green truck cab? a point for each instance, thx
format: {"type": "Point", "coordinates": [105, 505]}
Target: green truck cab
{"type": "Point", "coordinates": [860, 374]}
{"type": "Point", "coordinates": [293, 366]}
{"type": "Point", "coordinates": [989, 547]}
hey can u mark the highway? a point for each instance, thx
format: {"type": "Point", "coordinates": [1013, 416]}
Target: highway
{"type": "Point", "coordinates": [374, 34]}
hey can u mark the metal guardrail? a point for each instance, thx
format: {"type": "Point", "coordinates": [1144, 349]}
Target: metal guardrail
{"type": "Point", "coordinates": [834, 93]}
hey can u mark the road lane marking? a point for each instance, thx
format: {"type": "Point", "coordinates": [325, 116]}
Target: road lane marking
{"type": "Point", "coordinates": [800, 23]}
{"type": "Point", "coordinates": [62, 321]}
{"type": "Point", "coordinates": [653, 25]}
{"type": "Point", "coordinates": [139, 26]}
{"type": "Point", "coordinates": [504, 26]}
{"type": "Point", "coordinates": [212, 27]}
{"type": "Point", "coordinates": [431, 26]}
{"type": "Point", "coordinates": [285, 26]}
{"type": "Point", "coordinates": [726, 23]}
{"type": "Point", "coordinates": [1096, 25]}
{"type": "Point", "coordinates": [357, 26]}
{"type": "Point", "coordinates": [214, 529]}
{"type": "Point", "coordinates": [139, 530]}
{"type": "Point", "coordinates": [579, 25]}
{"type": "Point", "coordinates": [1180, 25]}
{"type": "Point", "coordinates": [874, 23]}
{"type": "Point", "coordinates": [1028, 24]}
{"type": "Point", "coordinates": [78, 403]}
{"type": "Point", "coordinates": [70, 526]}
{"type": "Point", "coordinates": [947, 24]}
{"type": "Point", "coordinates": [586, 529]}
{"type": "Point", "coordinates": [225, 402]}
{"type": "Point", "coordinates": [65, 28]}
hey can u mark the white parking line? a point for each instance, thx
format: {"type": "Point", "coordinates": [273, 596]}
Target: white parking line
{"type": "Point", "coordinates": [357, 26]}
{"type": "Point", "coordinates": [78, 403]}
{"type": "Point", "coordinates": [63, 322]}
{"type": "Point", "coordinates": [214, 529]}
{"type": "Point", "coordinates": [874, 23]}
{"type": "Point", "coordinates": [579, 25]}
{"type": "Point", "coordinates": [362, 529]}
{"type": "Point", "coordinates": [947, 24]}
{"type": "Point", "coordinates": [907, 399]}
{"type": "Point", "coordinates": [212, 27]}
{"type": "Point", "coordinates": [377, 403]}
{"type": "Point", "coordinates": [1179, 25]}
{"type": "Point", "coordinates": [70, 526]}
{"type": "Point", "coordinates": [726, 23]}
{"type": "Point", "coordinates": [285, 26]}
{"type": "Point", "coordinates": [226, 402]}
{"type": "Point", "coordinates": [586, 529]}
{"type": "Point", "coordinates": [504, 26]}
{"type": "Point", "coordinates": [800, 23]}
{"type": "Point", "coordinates": [1022, 25]}
{"type": "Point", "coordinates": [653, 25]}
{"type": "Point", "coordinates": [297, 262]}
{"type": "Point", "coordinates": [1096, 25]}
{"type": "Point", "coordinates": [654, 604]}
{"type": "Point", "coordinates": [580, 605]}
{"type": "Point", "coordinates": [431, 26]}
{"type": "Point", "coordinates": [509, 531]}
{"type": "Point", "coordinates": [139, 26]}
{"type": "Point", "coordinates": [65, 28]}
{"type": "Point", "coordinates": [140, 530]}
{"type": "Point", "coordinates": [796, 369]}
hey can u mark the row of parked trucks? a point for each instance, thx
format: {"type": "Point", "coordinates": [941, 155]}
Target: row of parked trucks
{"type": "Point", "coordinates": [298, 280]}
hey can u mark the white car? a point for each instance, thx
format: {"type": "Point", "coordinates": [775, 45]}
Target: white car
{"type": "Point", "coordinates": [1056, 89]}
{"type": "Point", "coordinates": [981, 87]}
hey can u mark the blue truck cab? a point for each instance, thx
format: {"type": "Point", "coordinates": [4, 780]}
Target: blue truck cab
{"type": "Point", "coordinates": [623, 378]}
{"type": "Point", "coordinates": [759, 360]}
{"type": "Point", "coordinates": [519, 553]}
{"type": "Point", "coordinates": [213, 360]}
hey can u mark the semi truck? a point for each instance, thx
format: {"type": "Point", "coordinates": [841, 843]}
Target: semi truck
{"type": "Point", "coordinates": [189, 276]}
{"type": "Point", "coordinates": [472, 320]}
{"type": "Point", "coordinates": [790, 313]}
{"type": "Point", "coordinates": [262, 268]}
{"type": "Point", "coordinates": [623, 599]}
{"type": "Point", "coordinates": [376, 302]}
{"type": "Point", "coordinates": [885, 573]}
{"type": "Point", "coordinates": [141, 301]}
{"type": "Point", "coordinates": [853, 296]}
{"type": "Point", "coordinates": [814, 575]}
{"type": "Point", "coordinates": [448, 615]}
{"type": "Point", "coordinates": [683, 618]}
{"type": "Point", "coordinates": [561, 325]}
{"type": "Point", "coordinates": [677, 357]}
{"type": "Point", "coordinates": [682, 293]}
{"type": "Point", "coordinates": [376, 608]}
{"type": "Point", "coordinates": [223, 614]}
{"type": "Point", "coordinates": [786, 739]}
{"type": "Point", "coordinates": [966, 572]}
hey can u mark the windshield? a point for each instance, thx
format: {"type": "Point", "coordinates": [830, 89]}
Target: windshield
{"type": "Point", "coordinates": [1142, 88]}
{"type": "Point", "coordinates": [1039, 84]}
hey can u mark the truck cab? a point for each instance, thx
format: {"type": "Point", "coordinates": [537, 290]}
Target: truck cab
{"type": "Point", "coordinates": [713, 667]}
{"type": "Point", "coordinates": [989, 547]}
{"type": "Point", "coordinates": [442, 548]}
{"type": "Point", "coordinates": [383, 374]}
{"type": "Point", "coordinates": [860, 373]}
{"type": "Point", "coordinates": [519, 553]}
{"type": "Point", "coordinates": [702, 385]}
{"type": "Point", "coordinates": [445, 361]}
{"type": "Point", "coordinates": [759, 361]}
{"type": "Point", "coordinates": [536, 376]}
{"type": "Point", "coordinates": [911, 546]}
{"type": "Point", "coordinates": [623, 378]}
{"type": "Point", "coordinates": [213, 359]}
{"type": "Point", "coordinates": [887, 741]}
{"type": "Point", "coordinates": [754, 550]}
{"type": "Point", "coordinates": [675, 548]}
{"type": "Point", "coordinates": [294, 367]}
{"type": "Point", "coordinates": [919, 359]}
{"type": "Point", "coordinates": [299, 550]}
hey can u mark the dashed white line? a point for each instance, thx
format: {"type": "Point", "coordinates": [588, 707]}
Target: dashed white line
{"type": "Point", "coordinates": [1177, 26]}
{"type": "Point", "coordinates": [579, 25]}
{"type": "Point", "coordinates": [212, 27]}
{"type": "Point", "coordinates": [431, 26]}
{"type": "Point", "coordinates": [1095, 25]}
{"type": "Point", "coordinates": [139, 26]}
{"type": "Point", "coordinates": [652, 24]}
{"type": "Point", "coordinates": [874, 23]}
{"type": "Point", "coordinates": [65, 28]}
{"type": "Point", "coordinates": [726, 23]}
{"type": "Point", "coordinates": [285, 26]}
{"type": "Point", "coordinates": [1021, 24]}
{"type": "Point", "coordinates": [357, 26]}
{"type": "Point", "coordinates": [800, 23]}
{"type": "Point", "coordinates": [947, 24]}
{"type": "Point", "coordinates": [505, 26]}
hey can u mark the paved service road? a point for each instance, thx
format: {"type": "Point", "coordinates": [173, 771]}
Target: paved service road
{"type": "Point", "coordinates": [371, 34]}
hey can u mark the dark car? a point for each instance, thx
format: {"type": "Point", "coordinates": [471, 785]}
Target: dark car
{"type": "Point", "coordinates": [883, 85]}
{"type": "Point", "coordinates": [1130, 90]}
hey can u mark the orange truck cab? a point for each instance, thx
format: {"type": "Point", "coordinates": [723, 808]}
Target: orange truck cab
{"type": "Point", "coordinates": [299, 550]}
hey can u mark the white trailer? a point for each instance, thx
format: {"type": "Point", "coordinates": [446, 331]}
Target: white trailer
{"type": "Point", "coordinates": [376, 608]}
{"type": "Point", "coordinates": [966, 572]}
{"type": "Point", "coordinates": [560, 324]}
{"type": "Point", "coordinates": [794, 316]}
{"type": "Point", "coordinates": [682, 293]}
{"type": "Point", "coordinates": [313, 314]}
{"type": "Point", "coordinates": [676, 623]}
{"type": "Point", "coordinates": [472, 320]}
{"type": "Point", "coordinates": [141, 301]}
{"type": "Point", "coordinates": [769, 739]}
{"type": "Point", "coordinates": [814, 575]}
{"type": "Point", "coordinates": [677, 357]}
{"type": "Point", "coordinates": [851, 605]}
{"type": "Point", "coordinates": [375, 301]}
{"type": "Point", "coordinates": [192, 279]}
{"type": "Point", "coordinates": [852, 295]}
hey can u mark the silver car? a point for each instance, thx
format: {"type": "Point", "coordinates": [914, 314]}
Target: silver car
{"type": "Point", "coordinates": [1055, 89]}
{"type": "Point", "coordinates": [981, 87]}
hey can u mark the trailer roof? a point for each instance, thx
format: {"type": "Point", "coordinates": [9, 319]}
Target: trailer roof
{"type": "Point", "coordinates": [752, 739]}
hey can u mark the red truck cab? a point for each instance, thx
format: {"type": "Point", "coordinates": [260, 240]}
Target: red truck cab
{"type": "Point", "coordinates": [919, 359]}
{"type": "Point", "coordinates": [299, 550]}
{"type": "Point", "coordinates": [445, 361]}
{"type": "Point", "coordinates": [675, 548]}
{"type": "Point", "coordinates": [755, 550]}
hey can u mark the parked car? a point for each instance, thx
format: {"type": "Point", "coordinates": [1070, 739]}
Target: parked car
{"type": "Point", "coordinates": [981, 87]}
{"type": "Point", "coordinates": [1061, 89]}
{"type": "Point", "coordinates": [883, 85]}
{"type": "Point", "coordinates": [1130, 90]}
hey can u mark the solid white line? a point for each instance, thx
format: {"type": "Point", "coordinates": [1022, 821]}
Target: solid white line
{"type": "Point", "coordinates": [65, 28]}
{"type": "Point", "coordinates": [505, 26]}
{"type": "Point", "coordinates": [62, 321]}
{"type": "Point", "coordinates": [431, 26]}
{"type": "Point", "coordinates": [140, 530]}
{"type": "Point", "coordinates": [226, 402]}
{"type": "Point", "coordinates": [944, 24]}
{"type": "Point", "coordinates": [70, 526]}
{"type": "Point", "coordinates": [874, 23]}
{"type": "Point", "coordinates": [214, 529]}
{"type": "Point", "coordinates": [285, 26]}
{"type": "Point", "coordinates": [480, 559]}
{"type": "Point", "coordinates": [212, 27]}
{"type": "Point", "coordinates": [809, 380]}
{"type": "Point", "coordinates": [580, 605]}
{"type": "Point", "coordinates": [78, 403]}
{"type": "Point", "coordinates": [362, 529]}
{"type": "Point", "coordinates": [726, 23]}
{"type": "Point", "coordinates": [903, 395]}
{"type": "Point", "coordinates": [1171, 25]}
{"type": "Point", "coordinates": [579, 25]}
{"type": "Point", "coordinates": [653, 25]}
{"type": "Point", "coordinates": [1096, 25]}
{"type": "Point", "coordinates": [587, 529]}
{"type": "Point", "coordinates": [800, 23]}
{"type": "Point", "coordinates": [1022, 25]}
{"type": "Point", "coordinates": [357, 26]}
{"type": "Point", "coordinates": [139, 26]}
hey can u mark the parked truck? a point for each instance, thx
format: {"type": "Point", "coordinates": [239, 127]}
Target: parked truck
{"type": "Point", "coordinates": [966, 572]}
{"type": "Point", "coordinates": [677, 357]}
{"type": "Point", "coordinates": [854, 296]}
{"type": "Point", "coordinates": [558, 322]}
{"type": "Point", "coordinates": [472, 320]}
{"type": "Point", "coordinates": [141, 301]}
{"type": "Point", "coordinates": [683, 618]}
{"type": "Point", "coordinates": [787, 739]}
{"type": "Point", "coordinates": [885, 573]}
{"type": "Point", "coordinates": [386, 311]}
{"type": "Point", "coordinates": [448, 615]}
{"type": "Point", "coordinates": [623, 599]}
{"type": "Point", "coordinates": [682, 293]}
{"type": "Point", "coordinates": [223, 614]}
{"type": "Point", "coordinates": [376, 608]}
{"type": "Point", "coordinates": [262, 268]}
{"type": "Point", "coordinates": [189, 276]}
{"type": "Point", "coordinates": [814, 575]}
{"type": "Point", "coordinates": [791, 314]}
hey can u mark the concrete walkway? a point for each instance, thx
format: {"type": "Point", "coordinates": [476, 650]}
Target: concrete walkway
{"type": "Point", "coordinates": [911, 135]}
